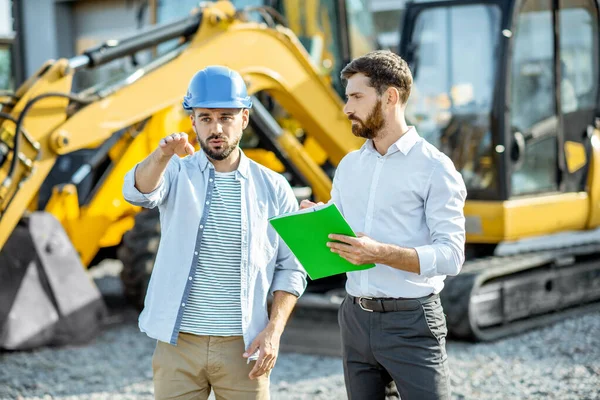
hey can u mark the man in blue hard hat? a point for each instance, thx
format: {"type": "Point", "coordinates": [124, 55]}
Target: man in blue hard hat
{"type": "Point", "coordinates": [218, 258]}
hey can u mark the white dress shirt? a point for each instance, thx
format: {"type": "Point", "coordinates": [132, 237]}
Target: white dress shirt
{"type": "Point", "coordinates": [411, 197]}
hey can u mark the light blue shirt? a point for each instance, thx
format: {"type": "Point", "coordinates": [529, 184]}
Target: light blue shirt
{"type": "Point", "coordinates": [183, 198]}
{"type": "Point", "coordinates": [411, 197]}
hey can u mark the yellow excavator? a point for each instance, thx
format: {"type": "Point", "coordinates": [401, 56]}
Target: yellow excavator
{"type": "Point", "coordinates": [63, 156]}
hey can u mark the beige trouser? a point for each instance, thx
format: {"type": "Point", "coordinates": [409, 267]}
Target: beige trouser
{"type": "Point", "coordinates": [199, 363]}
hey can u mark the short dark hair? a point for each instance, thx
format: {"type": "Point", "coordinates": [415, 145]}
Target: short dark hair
{"type": "Point", "coordinates": [384, 69]}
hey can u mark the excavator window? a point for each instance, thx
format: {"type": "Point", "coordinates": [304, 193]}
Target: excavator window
{"type": "Point", "coordinates": [6, 42]}
{"type": "Point", "coordinates": [579, 58]}
{"type": "Point", "coordinates": [6, 81]}
{"type": "Point", "coordinates": [538, 75]}
{"type": "Point", "coordinates": [578, 55]}
{"type": "Point", "coordinates": [452, 96]}
{"type": "Point", "coordinates": [533, 109]}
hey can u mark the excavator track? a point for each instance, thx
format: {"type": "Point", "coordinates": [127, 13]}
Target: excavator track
{"type": "Point", "coordinates": [500, 296]}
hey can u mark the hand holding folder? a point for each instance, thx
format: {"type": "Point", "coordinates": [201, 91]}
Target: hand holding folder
{"type": "Point", "coordinates": [306, 232]}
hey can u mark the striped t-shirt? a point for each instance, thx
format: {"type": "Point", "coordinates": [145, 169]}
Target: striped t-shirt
{"type": "Point", "coordinates": [214, 304]}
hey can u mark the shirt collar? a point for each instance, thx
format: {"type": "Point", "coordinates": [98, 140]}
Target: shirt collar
{"type": "Point", "coordinates": [243, 168]}
{"type": "Point", "coordinates": [407, 141]}
{"type": "Point", "coordinates": [404, 144]}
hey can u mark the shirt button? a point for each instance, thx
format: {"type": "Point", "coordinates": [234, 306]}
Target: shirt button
{"type": "Point", "coordinates": [190, 278]}
{"type": "Point", "coordinates": [182, 304]}
{"type": "Point", "coordinates": [196, 253]}
{"type": "Point", "coordinates": [210, 180]}
{"type": "Point", "coordinates": [201, 226]}
{"type": "Point", "coordinates": [208, 202]}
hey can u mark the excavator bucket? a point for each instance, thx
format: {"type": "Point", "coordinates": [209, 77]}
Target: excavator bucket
{"type": "Point", "coordinates": [46, 297]}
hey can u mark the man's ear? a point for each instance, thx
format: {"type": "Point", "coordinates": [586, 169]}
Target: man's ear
{"type": "Point", "coordinates": [245, 118]}
{"type": "Point", "coordinates": [393, 96]}
{"type": "Point", "coordinates": [192, 118]}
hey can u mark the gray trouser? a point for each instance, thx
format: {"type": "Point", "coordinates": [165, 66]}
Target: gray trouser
{"type": "Point", "coordinates": [407, 346]}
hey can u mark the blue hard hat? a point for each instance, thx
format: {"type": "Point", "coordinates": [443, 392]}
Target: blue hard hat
{"type": "Point", "coordinates": [217, 87]}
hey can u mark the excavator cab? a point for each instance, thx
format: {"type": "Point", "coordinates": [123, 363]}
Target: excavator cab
{"type": "Point", "coordinates": [509, 91]}
{"type": "Point", "coordinates": [510, 94]}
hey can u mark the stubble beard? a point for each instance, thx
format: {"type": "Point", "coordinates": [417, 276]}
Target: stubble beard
{"type": "Point", "coordinates": [223, 152]}
{"type": "Point", "coordinates": [373, 124]}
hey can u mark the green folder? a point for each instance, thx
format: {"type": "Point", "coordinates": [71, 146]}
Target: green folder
{"type": "Point", "coordinates": [306, 232]}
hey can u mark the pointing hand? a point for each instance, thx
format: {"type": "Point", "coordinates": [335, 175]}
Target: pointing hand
{"type": "Point", "coordinates": [177, 143]}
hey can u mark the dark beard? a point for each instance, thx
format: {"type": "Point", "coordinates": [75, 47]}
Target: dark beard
{"type": "Point", "coordinates": [373, 124]}
{"type": "Point", "coordinates": [218, 155]}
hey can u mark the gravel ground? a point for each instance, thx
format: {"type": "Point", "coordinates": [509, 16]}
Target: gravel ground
{"type": "Point", "coordinates": [557, 362]}
{"type": "Point", "coordinates": [561, 361]}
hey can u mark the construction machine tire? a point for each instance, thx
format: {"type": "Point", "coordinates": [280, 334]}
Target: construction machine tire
{"type": "Point", "coordinates": [137, 253]}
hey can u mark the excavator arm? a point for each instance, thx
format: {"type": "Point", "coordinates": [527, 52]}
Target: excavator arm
{"type": "Point", "coordinates": [270, 59]}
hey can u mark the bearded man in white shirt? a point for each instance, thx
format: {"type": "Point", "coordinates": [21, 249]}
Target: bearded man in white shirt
{"type": "Point", "coordinates": [406, 199]}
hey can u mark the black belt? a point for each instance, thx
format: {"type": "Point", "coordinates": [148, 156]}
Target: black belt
{"type": "Point", "coordinates": [373, 304]}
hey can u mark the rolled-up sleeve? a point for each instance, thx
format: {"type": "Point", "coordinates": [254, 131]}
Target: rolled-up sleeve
{"type": "Point", "coordinates": [154, 198]}
{"type": "Point", "coordinates": [444, 215]}
{"type": "Point", "coordinates": [289, 274]}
